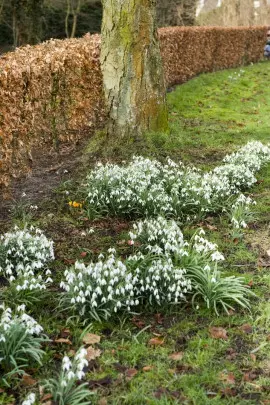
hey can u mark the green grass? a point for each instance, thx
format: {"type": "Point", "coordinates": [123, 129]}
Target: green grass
{"type": "Point", "coordinates": [210, 116]}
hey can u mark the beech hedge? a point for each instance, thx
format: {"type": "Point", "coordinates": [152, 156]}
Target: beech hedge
{"type": "Point", "coordinates": [52, 92]}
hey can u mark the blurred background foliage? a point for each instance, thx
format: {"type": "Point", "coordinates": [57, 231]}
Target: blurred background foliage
{"type": "Point", "coordinates": [32, 21]}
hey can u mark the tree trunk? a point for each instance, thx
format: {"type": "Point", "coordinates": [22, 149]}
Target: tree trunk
{"type": "Point", "coordinates": [132, 68]}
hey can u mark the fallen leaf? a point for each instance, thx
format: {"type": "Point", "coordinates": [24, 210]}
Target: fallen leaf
{"type": "Point", "coordinates": [184, 368]}
{"type": "Point", "coordinates": [63, 340]}
{"type": "Point", "coordinates": [91, 339]}
{"type": "Point", "coordinates": [246, 328]}
{"type": "Point", "coordinates": [57, 356]}
{"type": "Point", "coordinates": [69, 261]}
{"type": "Point", "coordinates": [160, 392]}
{"type": "Point", "coordinates": [218, 333]}
{"type": "Point", "coordinates": [65, 333]}
{"type": "Point", "coordinates": [253, 356]}
{"type": "Point", "coordinates": [263, 263]}
{"type": "Point", "coordinates": [46, 397]}
{"type": "Point", "coordinates": [102, 401]}
{"type": "Point", "coordinates": [71, 353]}
{"type": "Point", "coordinates": [229, 392]}
{"type": "Point", "coordinates": [176, 356]}
{"type": "Point", "coordinates": [211, 227]}
{"type": "Point", "coordinates": [231, 354]}
{"type": "Point", "coordinates": [92, 353]}
{"type": "Point", "coordinates": [159, 319]}
{"type": "Point", "coordinates": [130, 373]}
{"type": "Point", "coordinates": [28, 381]}
{"type": "Point", "coordinates": [249, 376]}
{"type": "Point", "coordinates": [147, 368]}
{"type": "Point", "coordinates": [138, 322]}
{"type": "Point", "coordinates": [156, 341]}
{"type": "Point", "coordinates": [83, 254]}
{"type": "Point", "coordinates": [227, 378]}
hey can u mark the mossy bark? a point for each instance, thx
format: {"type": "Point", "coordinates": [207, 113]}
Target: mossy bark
{"type": "Point", "coordinates": [132, 68]}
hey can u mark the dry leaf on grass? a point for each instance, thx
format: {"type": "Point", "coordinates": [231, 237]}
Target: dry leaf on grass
{"type": "Point", "coordinates": [246, 328]}
{"type": "Point", "coordinates": [159, 318]}
{"type": "Point", "coordinates": [138, 322]}
{"type": "Point", "coordinates": [63, 340]}
{"type": "Point", "coordinates": [28, 381]}
{"type": "Point", "coordinates": [218, 333]}
{"type": "Point", "coordinates": [46, 398]}
{"type": "Point", "coordinates": [176, 356]}
{"type": "Point", "coordinates": [65, 333]}
{"type": "Point", "coordinates": [92, 353]}
{"type": "Point", "coordinates": [156, 341]}
{"type": "Point", "coordinates": [250, 376]}
{"type": "Point", "coordinates": [102, 401]}
{"type": "Point", "coordinates": [147, 368]}
{"type": "Point", "coordinates": [91, 339]}
{"type": "Point", "coordinates": [130, 373]}
{"type": "Point", "coordinates": [227, 378]}
{"type": "Point", "coordinates": [252, 356]}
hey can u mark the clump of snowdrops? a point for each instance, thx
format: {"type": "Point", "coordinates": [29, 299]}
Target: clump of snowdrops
{"type": "Point", "coordinates": [64, 388]}
{"type": "Point", "coordinates": [147, 188]}
{"type": "Point", "coordinates": [199, 257]}
{"type": "Point", "coordinates": [20, 341]}
{"type": "Point", "coordinates": [24, 255]}
{"type": "Point", "coordinates": [241, 214]}
{"type": "Point", "coordinates": [164, 270]}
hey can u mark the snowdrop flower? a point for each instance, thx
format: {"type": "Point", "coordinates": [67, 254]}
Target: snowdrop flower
{"type": "Point", "coordinates": [30, 399]}
{"type": "Point", "coordinates": [66, 363]}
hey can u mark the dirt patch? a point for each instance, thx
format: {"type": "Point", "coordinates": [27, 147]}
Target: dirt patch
{"type": "Point", "coordinates": [260, 243]}
{"type": "Point", "coordinates": [49, 170]}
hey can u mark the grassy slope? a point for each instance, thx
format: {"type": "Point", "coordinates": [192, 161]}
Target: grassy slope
{"type": "Point", "coordinates": [210, 116]}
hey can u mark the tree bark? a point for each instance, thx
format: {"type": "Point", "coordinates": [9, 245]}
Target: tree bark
{"type": "Point", "coordinates": [132, 68]}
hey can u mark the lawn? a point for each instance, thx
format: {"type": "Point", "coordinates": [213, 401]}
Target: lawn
{"type": "Point", "coordinates": [185, 354]}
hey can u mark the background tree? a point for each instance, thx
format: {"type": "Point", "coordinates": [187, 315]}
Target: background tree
{"type": "Point", "coordinates": [21, 21]}
{"type": "Point", "coordinates": [176, 12]}
{"type": "Point", "coordinates": [230, 13]}
{"type": "Point", "coordinates": [26, 21]}
{"type": "Point", "coordinates": [132, 68]}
